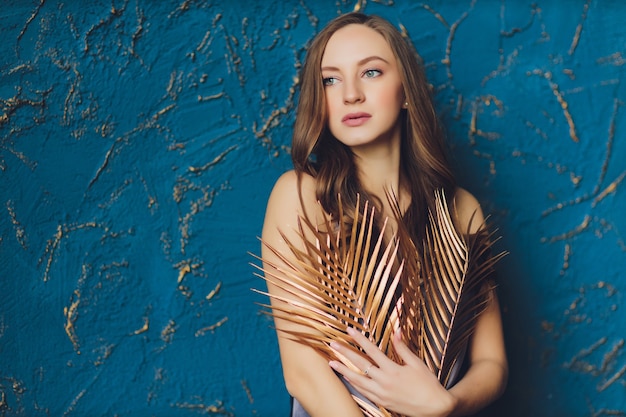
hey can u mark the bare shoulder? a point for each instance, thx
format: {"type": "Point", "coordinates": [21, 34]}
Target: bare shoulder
{"type": "Point", "coordinates": [290, 192]}
{"type": "Point", "coordinates": [468, 213]}
{"type": "Point", "coordinates": [291, 197]}
{"type": "Point", "coordinates": [288, 183]}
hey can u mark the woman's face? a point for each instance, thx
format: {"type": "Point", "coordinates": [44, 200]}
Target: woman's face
{"type": "Point", "coordinates": [364, 94]}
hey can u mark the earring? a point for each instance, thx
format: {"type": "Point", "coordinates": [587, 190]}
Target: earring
{"type": "Point", "coordinates": [406, 104]}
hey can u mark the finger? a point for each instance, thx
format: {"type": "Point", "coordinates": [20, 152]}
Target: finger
{"type": "Point", "coordinates": [356, 361]}
{"type": "Point", "coordinates": [403, 351]}
{"type": "Point", "coordinates": [348, 373]}
{"type": "Point", "coordinates": [359, 377]}
{"type": "Point", "coordinates": [370, 348]}
{"type": "Point", "coordinates": [358, 380]}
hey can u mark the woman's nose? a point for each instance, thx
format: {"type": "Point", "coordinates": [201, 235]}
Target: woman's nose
{"type": "Point", "coordinates": [352, 92]}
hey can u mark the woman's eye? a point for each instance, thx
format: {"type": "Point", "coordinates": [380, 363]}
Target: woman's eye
{"type": "Point", "coordinates": [329, 80]}
{"type": "Point", "coordinates": [372, 73]}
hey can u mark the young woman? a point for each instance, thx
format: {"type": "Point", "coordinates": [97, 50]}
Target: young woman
{"type": "Point", "coordinates": [366, 125]}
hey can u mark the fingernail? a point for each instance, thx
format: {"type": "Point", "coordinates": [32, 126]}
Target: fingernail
{"type": "Point", "coordinates": [350, 331]}
{"type": "Point", "coordinates": [333, 364]}
{"type": "Point", "coordinates": [334, 345]}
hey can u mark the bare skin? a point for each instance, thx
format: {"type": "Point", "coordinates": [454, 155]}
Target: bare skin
{"type": "Point", "coordinates": [364, 97]}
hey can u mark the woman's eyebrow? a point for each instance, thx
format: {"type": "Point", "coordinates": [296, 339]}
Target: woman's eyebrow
{"type": "Point", "coordinates": [361, 62]}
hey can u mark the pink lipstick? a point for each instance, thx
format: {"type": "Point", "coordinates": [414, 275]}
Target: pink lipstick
{"type": "Point", "coordinates": [355, 119]}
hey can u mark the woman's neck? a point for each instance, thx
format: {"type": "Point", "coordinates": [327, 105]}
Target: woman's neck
{"type": "Point", "coordinates": [379, 173]}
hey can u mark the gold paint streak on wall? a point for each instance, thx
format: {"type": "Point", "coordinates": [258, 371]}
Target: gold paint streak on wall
{"type": "Point", "coordinates": [218, 408]}
{"type": "Point", "coordinates": [211, 97]}
{"type": "Point", "coordinates": [115, 194]}
{"type": "Point", "coordinates": [579, 229]}
{"type": "Point", "coordinates": [560, 206]}
{"type": "Point", "coordinates": [139, 30]}
{"type": "Point", "coordinates": [114, 13]}
{"type": "Point", "coordinates": [608, 190]}
{"type": "Point", "coordinates": [234, 64]}
{"type": "Point", "coordinates": [71, 315]}
{"type": "Point", "coordinates": [25, 67]}
{"type": "Point", "coordinates": [610, 290]}
{"type": "Point", "coordinates": [447, 60]}
{"type": "Point", "coordinates": [610, 356]}
{"type": "Point", "coordinates": [205, 42]}
{"type": "Point", "coordinates": [168, 331]}
{"type": "Point", "coordinates": [215, 160]}
{"type": "Point", "coordinates": [244, 384]}
{"type": "Point", "coordinates": [609, 145]}
{"type": "Point", "coordinates": [20, 234]}
{"type": "Point", "coordinates": [162, 112]}
{"type": "Point", "coordinates": [566, 112]}
{"type": "Point", "coordinates": [144, 328]}
{"type": "Point", "coordinates": [174, 85]}
{"type": "Point", "coordinates": [249, 42]}
{"type": "Point", "coordinates": [53, 244]}
{"type": "Point", "coordinates": [566, 256]}
{"type": "Point", "coordinates": [404, 32]}
{"type": "Point", "coordinates": [51, 247]}
{"type": "Point", "coordinates": [68, 110]}
{"type": "Point", "coordinates": [272, 120]}
{"type": "Point", "coordinates": [215, 290]}
{"type": "Point", "coordinates": [569, 73]}
{"type": "Point", "coordinates": [70, 409]}
{"type": "Point", "coordinates": [102, 167]}
{"type": "Point", "coordinates": [614, 378]}
{"type": "Point", "coordinates": [437, 15]}
{"type": "Point", "coordinates": [28, 22]}
{"type": "Point", "coordinates": [564, 105]}
{"type": "Point", "coordinates": [17, 387]}
{"type": "Point", "coordinates": [212, 327]}
{"type": "Point", "coordinates": [185, 267]}
{"type": "Point", "coordinates": [575, 179]}
{"type": "Point", "coordinates": [182, 8]}
{"type": "Point", "coordinates": [579, 29]}
{"type": "Point", "coordinates": [576, 361]}
{"type": "Point", "coordinates": [615, 59]}
{"type": "Point", "coordinates": [474, 131]}
{"type": "Point", "coordinates": [472, 128]}
{"type": "Point", "coordinates": [182, 271]}
{"type": "Point", "coordinates": [196, 207]}
{"type": "Point", "coordinates": [106, 352]}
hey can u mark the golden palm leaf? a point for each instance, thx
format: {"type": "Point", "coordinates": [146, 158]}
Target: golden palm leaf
{"type": "Point", "coordinates": [339, 281]}
{"type": "Point", "coordinates": [454, 291]}
{"type": "Point", "coordinates": [347, 277]}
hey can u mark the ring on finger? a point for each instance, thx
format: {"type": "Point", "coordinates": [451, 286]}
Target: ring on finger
{"type": "Point", "coordinates": [367, 370]}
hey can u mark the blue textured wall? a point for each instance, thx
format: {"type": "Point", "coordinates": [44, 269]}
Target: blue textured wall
{"type": "Point", "coordinates": [139, 141]}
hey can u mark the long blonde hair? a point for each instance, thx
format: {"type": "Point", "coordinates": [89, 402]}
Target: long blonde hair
{"type": "Point", "coordinates": [317, 152]}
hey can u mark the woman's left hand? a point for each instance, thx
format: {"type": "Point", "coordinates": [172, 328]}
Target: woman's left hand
{"type": "Point", "coordinates": [410, 389]}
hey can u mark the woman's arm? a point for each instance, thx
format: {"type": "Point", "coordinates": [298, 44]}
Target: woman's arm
{"type": "Point", "coordinates": [486, 378]}
{"type": "Point", "coordinates": [307, 375]}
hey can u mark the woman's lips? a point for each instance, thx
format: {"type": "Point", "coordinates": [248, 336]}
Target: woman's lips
{"type": "Point", "coordinates": [355, 119]}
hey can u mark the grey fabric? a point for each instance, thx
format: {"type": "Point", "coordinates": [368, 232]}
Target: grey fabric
{"type": "Point", "coordinates": [298, 411]}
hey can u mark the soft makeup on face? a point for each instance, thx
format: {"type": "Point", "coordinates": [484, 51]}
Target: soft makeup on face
{"type": "Point", "coordinates": [364, 93]}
